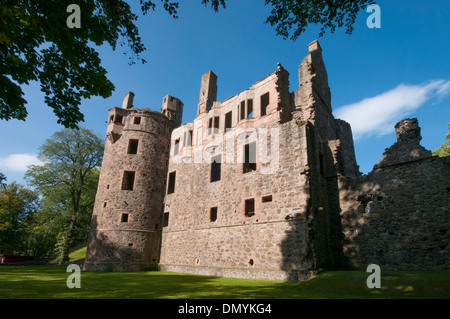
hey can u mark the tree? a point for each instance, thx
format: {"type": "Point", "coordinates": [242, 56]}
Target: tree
{"type": "Point", "coordinates": [295, 16]}
{"type": "Point", "coordinates": [17, 207]}
{"type": "Point", "coordinates": [37, 44]}
{"type": "Point", "coordinates": [2, 180]}
{"type": "Point", "coordinates": [67, 181]}
{"type": "Point", "coordinates": [444, 149]}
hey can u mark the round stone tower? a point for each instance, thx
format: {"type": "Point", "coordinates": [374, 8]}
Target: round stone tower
{"type": "Point", "coordinates": [126, 225]}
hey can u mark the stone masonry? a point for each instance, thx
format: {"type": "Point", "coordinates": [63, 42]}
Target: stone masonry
{"type": "Point", "coordinates": [265, 185]}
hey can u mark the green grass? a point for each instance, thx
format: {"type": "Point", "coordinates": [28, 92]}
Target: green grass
{"type": "Point", "coordinates": [76, 253]}
{"type": "Point", "coordinates": [49, 281]}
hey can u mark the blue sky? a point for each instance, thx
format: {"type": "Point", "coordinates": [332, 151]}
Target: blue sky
{"type": "Point", "coordinates": [377, 76]}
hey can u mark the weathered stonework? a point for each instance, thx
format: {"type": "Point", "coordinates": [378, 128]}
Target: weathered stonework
{"type": "Point", "coordinates": [126, 223]}
{"type": "Point", "coordinates": [397, 216]}
{"type": "Point", "coordinates": [264, 184]}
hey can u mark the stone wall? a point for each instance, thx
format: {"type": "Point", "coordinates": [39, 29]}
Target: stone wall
{"type": "Point", "coordinates": [126, 223]}
{"type": "Point", "coordinates": [264, 184]}
{"type": "Point", "coordinates": [298, 230]}
{"type": "Point", "coordinates": [397, 215]}
{"type": "Point", "coordinates": [272, 243]}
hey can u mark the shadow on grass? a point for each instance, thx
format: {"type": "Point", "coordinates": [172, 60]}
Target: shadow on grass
{"type": "Point", "coordinates": [49, 281]}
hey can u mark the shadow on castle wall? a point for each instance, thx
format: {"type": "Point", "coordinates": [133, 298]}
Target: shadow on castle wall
{"type": "Point", "coordinates": [106, 254]}
{"type": "Point", "coordinates": [397, 217]}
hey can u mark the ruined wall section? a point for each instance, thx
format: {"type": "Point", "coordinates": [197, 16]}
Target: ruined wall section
{"type": "Point", "coordinates": [271, 243]}
{"type": "Point", "coordinates": [397, 215]}
{"type": "Point", "coordinates": [126, 223]}
{"type": "Point", "coordinates": [330, 153]}
{"type": "Point", "coordinates": [273, 240]}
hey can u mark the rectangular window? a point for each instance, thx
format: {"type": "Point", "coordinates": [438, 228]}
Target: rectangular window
{"type": "Point", "coordinates": [249, 157]}
{"type": "Point", "coordinates": [187, 138]}
{"type": "Point", "coordinates": [266, 199]}
{"type": "Point", "coordinates": [249, 207]}
{"type": "Point", "coordinates": [210, 126]}
{"type": "Point", "coordinates": [137, 120]}
{"type": "Point", "coordinates": [264, 103]}
{"type": "Point", "coordinates": [242, 110]}
{"type": "Point", "coordinates": [171, 186]}
{"type": "Point", "coordinates": [124, 218]}
{"type": "Point", "coordinates": [213, 214]}
{"type": "Point", "coordinates": [215, 168]}
{"type": "Point", "coordinates": [216, 123]}
{"type": "Point", "coordinates": [166, 219]}
{"type": "Point", "coordinates": [250, 109]}
{"type": "Point", "coordinates": [228, 120]}
{"type": "Point", "coordinates": [132, 146]}
{"type": "Point", "coordinates": [213, 126]}
{"type": "Point", "coordinates": [191, 132]}
{"type": "Point", "coordinates": [177, 147]}
{"type": "Point", "coordinates": [128, 180]}
{"type": "Point", "coordinates": [118, 119]}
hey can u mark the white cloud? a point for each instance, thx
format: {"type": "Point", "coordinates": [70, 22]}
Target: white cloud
{"type": "Point", "coordinates": [19, 162]}
{"type": "Point", "coordinates": [377, 115]}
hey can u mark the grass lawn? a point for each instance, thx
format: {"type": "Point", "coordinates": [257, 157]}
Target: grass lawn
{"type": "Point", "coordinates": [49, 281]}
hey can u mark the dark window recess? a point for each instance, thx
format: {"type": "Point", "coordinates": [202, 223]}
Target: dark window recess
{"type": "Point", "coordinates": [213, 214]}
{"type": "Point", "coordinates": [171, 186]}
{"type": "Point", "coordinates": [322, 164]}
{"type": "Point", "coordinates": [249, 207]}
{"type": "Point", "coordinates": [124, 218]}
{"type": "Point", "coordinates": [216, 168]}
{"type": "Point", "coordinates": [128, 180]}
{"type": "Point", "coordinates": [137, 120]}
{"type": "Point", "coordinates": [264, 103]}
{"type": "Point", "coordinates": [266, 199]}
{"type": "Point", "coordinates": [166, 219]}
{"type": "Point", "coordinates": [250, 109]}
{"type": "Point", "coordinates": [118, 119]}
{"type": "Point", "coordinates": [177, 147]}
{"type": "Point", "coordinates": [210, 125]}
{"type": "Point", "coordinates": [249, 157]}
{"type": "Point", "coordinates": [242, 110]}
{"type": "Point", "coordinates": [132, 146]}
{"type": "Point", "coordinates": [213, 125]}
{"type": "Point", "coordinates": [216, 122]}
{"type": "Point", "coordinates": [228, 120]}
{"type": "Point", "coordinates": [365, 201]}
{"type": "Point", "coordinates": [111, 118]}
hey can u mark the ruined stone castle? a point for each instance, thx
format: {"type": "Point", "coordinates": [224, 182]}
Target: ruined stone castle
{"type": "Point", "coordinates": [264, 184]}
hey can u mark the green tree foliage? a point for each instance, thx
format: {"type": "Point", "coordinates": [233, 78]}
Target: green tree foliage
{"type": "Point", "coordinates": [17, 208]}
{"type": "Point", "coordinates": [2, 180]}
{"type": "Point", "coordinates": [444, 149]}
{"type": "Point", "coordinates": [294, 16]}
{"type": "Point", "coordinates": [67, 182]}
{"type": "Point", "coordinates": [37, 45]}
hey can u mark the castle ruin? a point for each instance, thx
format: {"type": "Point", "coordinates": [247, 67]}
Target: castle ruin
{"type": "Point", "coordinates": [263, 185]}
